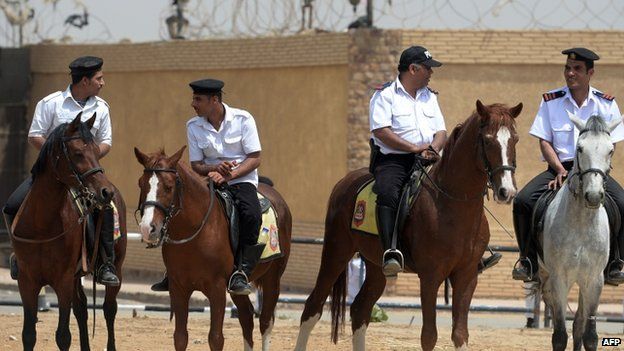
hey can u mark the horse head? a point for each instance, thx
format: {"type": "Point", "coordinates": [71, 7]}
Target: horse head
{"type": "Point", "coordinates": [161, 189]}
{"type": "Point", "coordinates": [498, 139]}
{"type": "Point", "coordinates": [72, 155]}
{"type": "Point", "coordinates": [593, 159]}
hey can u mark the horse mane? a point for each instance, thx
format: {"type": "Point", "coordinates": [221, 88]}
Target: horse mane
{"type": "Point", "coordinates": [52, 140]}
{"type": "Point", "coordinates": [596, 124]}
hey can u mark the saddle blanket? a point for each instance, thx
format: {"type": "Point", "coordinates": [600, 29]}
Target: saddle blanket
{"type": "Point", "coordinates": [364, 217]}
{"type": "Point", "coordinates": [269, 234]}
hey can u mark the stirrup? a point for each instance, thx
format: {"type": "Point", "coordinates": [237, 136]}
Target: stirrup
{"type": "Point", "coordinates": [238, 272]}
{"type": "Point", "coordinates": [619, 262]}
{"type": "Point", "coordinates": [530, 268]}
{"type": "Point", "coordinates": [393, 254]}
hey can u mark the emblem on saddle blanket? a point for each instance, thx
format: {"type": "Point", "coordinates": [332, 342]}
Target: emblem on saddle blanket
{"type": "Point", "coordinates": [269, 234]}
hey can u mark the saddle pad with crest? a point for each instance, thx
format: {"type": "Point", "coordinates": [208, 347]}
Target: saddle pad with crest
{"type": "Point", "coordinates": [268, 232]}
{"type": "Point", "coordinates": [364, 214]}
{"type": "Point", "coordinates": [81, 208]}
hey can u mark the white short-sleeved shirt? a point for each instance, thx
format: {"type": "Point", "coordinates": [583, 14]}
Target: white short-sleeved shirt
{"type": "Point", "coordinates": [553, 123]}
{"type": "Point", "coordinates": [60, 107]}
{"type": "Point", "coordinates": [236, 138]}
{"type": "Point", "coordinates": [414, 119]}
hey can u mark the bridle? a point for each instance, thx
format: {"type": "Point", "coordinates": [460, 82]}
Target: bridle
{"type": "Point", "coordinates": [84, 193]}
{"type": "Point", "coordinates": [580, 173]}
{"type": "Point", "coordinates": [172, 209]}
{"type": "Point", "coordinates": [486, 165]}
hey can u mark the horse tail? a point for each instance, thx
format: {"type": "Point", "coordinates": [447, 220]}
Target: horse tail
{"type": "Point", "coordinates": [265, 180]}
{"type": "Point", "coordinates": [338, 305]}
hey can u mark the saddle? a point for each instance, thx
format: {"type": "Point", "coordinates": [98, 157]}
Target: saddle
{"type": "Point", "coordinates": [364, 215]}
{"type": "Point", "coordinates": [537, 221]}
{"type": "Point", "coordinates": [231, 213]}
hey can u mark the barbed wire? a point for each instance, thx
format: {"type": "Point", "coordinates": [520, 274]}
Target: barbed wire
{"type": "Point", "coordinates": [253, 18]}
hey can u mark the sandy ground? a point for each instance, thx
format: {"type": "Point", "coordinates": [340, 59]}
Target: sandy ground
{"type": "Point", "coordinates": [155, 332]}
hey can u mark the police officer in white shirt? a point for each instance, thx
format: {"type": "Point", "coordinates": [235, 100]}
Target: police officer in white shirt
{"type": "Point", "coordinates": [405, 120]}
{"type": "Point", "coordinates": [62, 107]}
{"type": "Point", "coordinates": [224, 145]}
{"type": "Point", "coordinates": [557, 139]}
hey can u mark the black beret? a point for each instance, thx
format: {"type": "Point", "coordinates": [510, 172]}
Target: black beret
{"type": "Point", "coordinates": [205, 86]}
{"type": "Point", "coordinates": [86, 64]}
{"type": "Point", "coordinates": [417, 54]}
{"type": "Point", "coordinates": [581, 54]}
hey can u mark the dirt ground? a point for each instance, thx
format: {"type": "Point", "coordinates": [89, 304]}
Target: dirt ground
{"type": "Point", "coordinates": [156, 333]}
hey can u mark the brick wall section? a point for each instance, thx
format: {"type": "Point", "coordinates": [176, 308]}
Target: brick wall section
{"type": "Point", "coordinates": [515, 47]}
{"type": "Point", "coordinates": [304, 50]}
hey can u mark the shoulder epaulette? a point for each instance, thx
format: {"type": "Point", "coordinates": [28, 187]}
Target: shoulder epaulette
{"type": "Point", "coordinates": [192, 120]}
{"type": "Point", "coordinates": [102, 100]}
{"type": "Point", "coordinates": [433, 91]}
{"type": "Point", "coordinates": [383, 86]}
{"type": "Point", "coordinates": [52, 96]}
{"type": "Point", "coordinates": [604, 96]}
{"type": "Point", "coordinates": [553, 95]}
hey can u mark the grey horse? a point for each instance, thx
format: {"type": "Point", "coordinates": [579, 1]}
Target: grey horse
{"type": "Point", "coordinates": [576, 236]}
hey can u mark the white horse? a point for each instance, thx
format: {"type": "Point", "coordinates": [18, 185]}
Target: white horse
{"type": "Point", "coordinates": [576, 236]}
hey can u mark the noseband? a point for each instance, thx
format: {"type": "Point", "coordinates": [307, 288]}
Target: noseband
{"type": "Point", "coordinates": [173, 209]}
{"type": "Point", "coordinates": [488, 167]}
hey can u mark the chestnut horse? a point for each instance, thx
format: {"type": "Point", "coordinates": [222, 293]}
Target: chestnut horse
{"type": "Point", "coordinates": [47, 233]}
{"type": "Point", "coordinates": [183, 213]}
{"type": "Point", "coordinates": [444, 235]}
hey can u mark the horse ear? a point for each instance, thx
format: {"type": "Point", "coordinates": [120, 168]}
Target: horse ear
{"type": "Point", "coordinates": [579, 123]}
{"type": "Point", "coordinates": [91, 121]}
{"type": "Point", "coordinates": [73, 125]}
{"type": "Point", "coordinates": [141, 157]}
{"type": "Point", "coordinates": [483, 111]}
{"type": "Point", "coordinates": [515, 111]}
{"type": "Point", "coordinates": [173, 159]}
{"type": "Point", "coordinates": [614, 123]}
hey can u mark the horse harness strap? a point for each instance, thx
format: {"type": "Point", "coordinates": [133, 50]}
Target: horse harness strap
{"type": "Point", "coordinates": [488, 167]}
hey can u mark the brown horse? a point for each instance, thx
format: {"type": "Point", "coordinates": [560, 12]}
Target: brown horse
{"type": "Point", "coordinates": [184, 214]}
{"type": "Point", "coordinates": [47, 234]}
{"type": "Point", "coordinates": [444, 236]}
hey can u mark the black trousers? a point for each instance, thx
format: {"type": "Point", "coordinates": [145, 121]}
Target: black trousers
{"type": "Point", "coordinates": [17, 197]}
{"type": "Point", "coordinates": [525, 201]}
{"type": "Point", "coordinates": [250, 218]}
{"type": "Point", "coordinates": [391, 172]}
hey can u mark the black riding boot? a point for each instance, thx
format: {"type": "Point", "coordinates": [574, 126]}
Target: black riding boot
{"type": "Point", "coordinates": [392, 258]}
{"type": "Point", "coordinates": [162, 285]}
{"type": "Point", "coordinates": [106, 274]}
{"type": "Point", "coordinates": [489, 262]}
{"type": "Point", "coordinates": [526, 265]}
{"type": "Point", "coordinates": [614, 274]}
{"type": "Point", "coordinates": [8, 221]}
{"type": "Point", "coordinates": [239, 281]}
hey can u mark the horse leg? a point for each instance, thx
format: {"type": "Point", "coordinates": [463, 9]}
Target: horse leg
{"type": "Point", "coordinates": [360, 311]}
{"type": "Point", "coordinates": [429, 285]}
{"type": "Point", "coordinates": [336, 255]}
{"type": "Point", "coordinates": [29, 292]}
{"type": "Point", "coordinates": [179, 305]}
{"type": "Point", "coordinates": [559, 294]}
{"type": "Point", "coordinates": [270, 283]}
{"type": "Point", "coordinates": [64, 293]}
{"type": "Point", "coordinates": [110, 312]}
{"type": "Point", "coordinates": [245, 318]}
{"type": "Point", "coordinates": [464, 283]}
{"type": "Point", "coordinates": [216, 295]}
{"type": "Point", "coordinates": [591, 299]}
{"type": "Point", "coordinates": [79, 307]}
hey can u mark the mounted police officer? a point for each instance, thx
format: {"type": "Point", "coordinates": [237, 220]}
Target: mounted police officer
{"type": "Point", "coordinates": [224, 145]}
{"type": "Point", "coordinates": [557, 140]}
{"type": "Point", "coordinates": [62, 107]}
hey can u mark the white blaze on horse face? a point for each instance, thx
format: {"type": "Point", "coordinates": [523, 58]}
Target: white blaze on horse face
{"type": "Point", "coordinates": [503, 135]}
{"type": "Point", "coordinates": [148, 213]}
{"type": "Point", "coordinates": [304, 332]}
